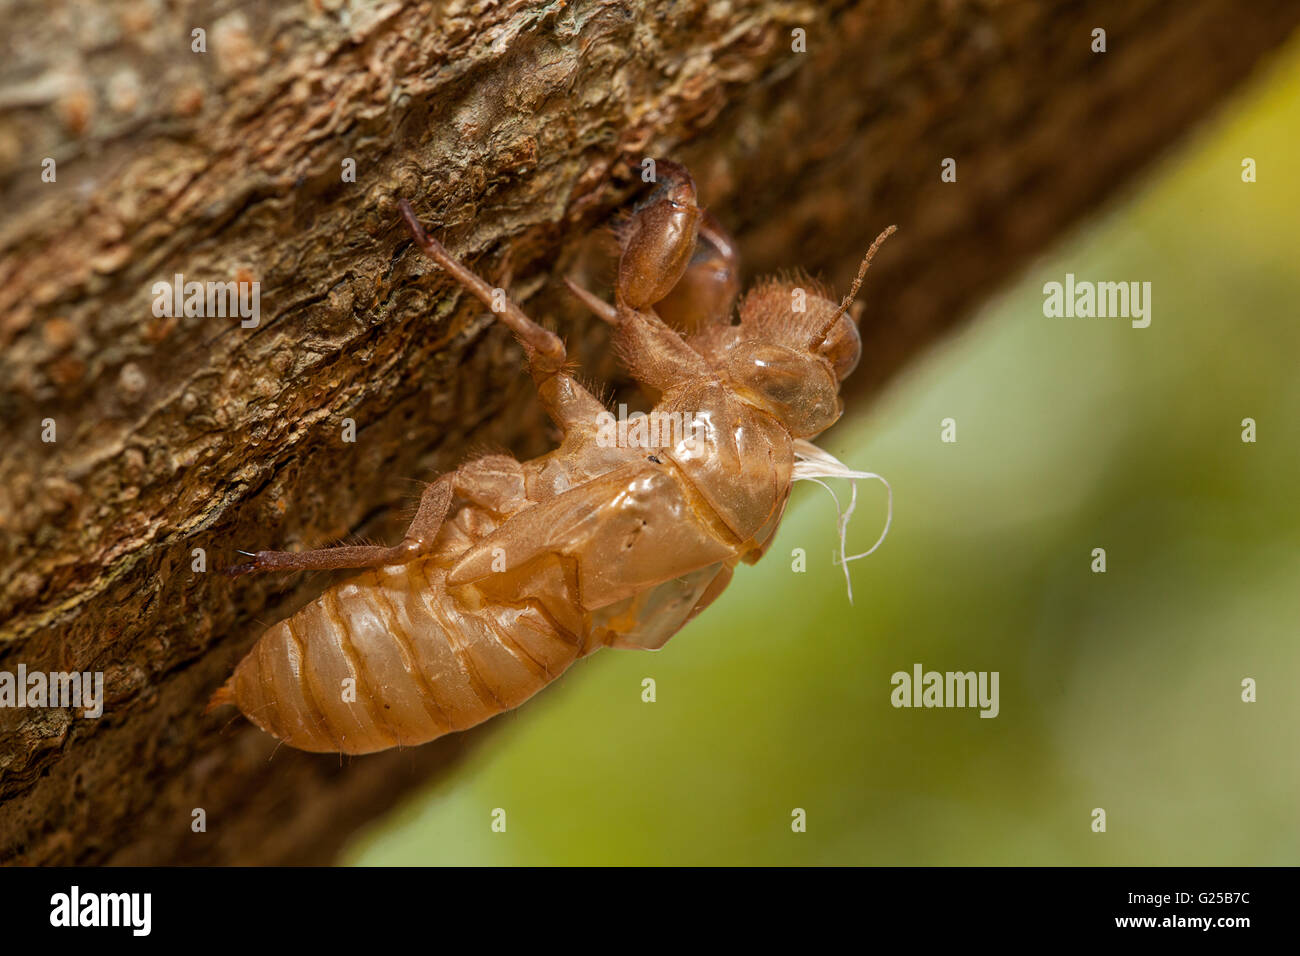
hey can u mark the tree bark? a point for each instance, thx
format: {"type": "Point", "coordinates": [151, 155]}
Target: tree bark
{"type": "Point", "coordinates": [517, 130]}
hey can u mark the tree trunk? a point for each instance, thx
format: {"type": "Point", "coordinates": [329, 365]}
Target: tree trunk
{"type": "Point", "coordinates": [516, 129]}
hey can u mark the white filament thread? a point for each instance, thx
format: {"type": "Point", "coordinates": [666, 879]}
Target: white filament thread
{"type": "Point", "coordinates": [812, 464]}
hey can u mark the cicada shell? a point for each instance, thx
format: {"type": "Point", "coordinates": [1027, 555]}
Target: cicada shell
{"type": "Point", "coordinates": [511, 570]}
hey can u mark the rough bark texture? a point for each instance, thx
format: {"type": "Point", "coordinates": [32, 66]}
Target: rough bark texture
{"type": "Point", "coordinates": [515, 129]}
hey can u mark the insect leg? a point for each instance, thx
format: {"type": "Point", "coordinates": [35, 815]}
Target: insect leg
{"type": "Point", "coordinates": [419, 540]}
{"type": "Point", "coordinates": [602, 309]}
{"type": "Point", "coordinates": [658, 240]}
{"type": "Point", "coordinates": [544, 348]}
{"type": "Point", "coordinates": [707, 290]}
{"type": "Point", "coordinates": [654, 352]}
{"type": "Point", "coordinates": [565, 400]}
{"type": "Point", "coordinates": [676, 257]}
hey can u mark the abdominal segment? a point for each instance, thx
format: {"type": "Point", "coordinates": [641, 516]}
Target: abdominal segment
{"type": "Point", "coordinates": [390, 658]}
{"type": "Point", "coordinates": [402, 654]}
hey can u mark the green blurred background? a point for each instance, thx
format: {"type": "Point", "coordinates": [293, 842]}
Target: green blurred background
{"type": "Point", "coordinates": [1119, 690]}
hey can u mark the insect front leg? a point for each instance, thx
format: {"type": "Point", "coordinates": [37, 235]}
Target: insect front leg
{"type": "Point", "coordinates": [707, 289]}
{"type": "Point", "coordinates": [661, 255]}
{"type": "Point", "coordinates": [419, 538]}
{"type": "Point", "coordinates": [653, 351]}
{"type": "Point", "coordinates": [564, 398]}
{"type": "Point", "coordinates": [658, 240]}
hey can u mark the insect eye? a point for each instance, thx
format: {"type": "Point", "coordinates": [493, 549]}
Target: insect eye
{"type": "Point", "coordinates": [843, 347]}
{"type": "Point", "coordinates": [797, 387]}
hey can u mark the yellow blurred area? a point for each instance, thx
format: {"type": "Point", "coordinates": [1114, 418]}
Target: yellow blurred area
{"type": "Point", "coordinates": [1119, 690]}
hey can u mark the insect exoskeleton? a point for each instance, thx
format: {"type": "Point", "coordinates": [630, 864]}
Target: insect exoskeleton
{"type": "Point", "coordinates": [510, 571]}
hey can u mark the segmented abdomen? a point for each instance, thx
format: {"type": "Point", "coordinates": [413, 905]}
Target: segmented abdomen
{"type": "Point", "coordinates": [391, 658]}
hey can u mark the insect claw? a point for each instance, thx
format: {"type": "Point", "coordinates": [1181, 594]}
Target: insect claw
{"type": "Point", "coordinates": [236, 570]}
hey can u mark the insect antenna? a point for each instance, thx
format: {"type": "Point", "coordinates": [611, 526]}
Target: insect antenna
{"type": "Point", "coordinates": [820, 337]}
